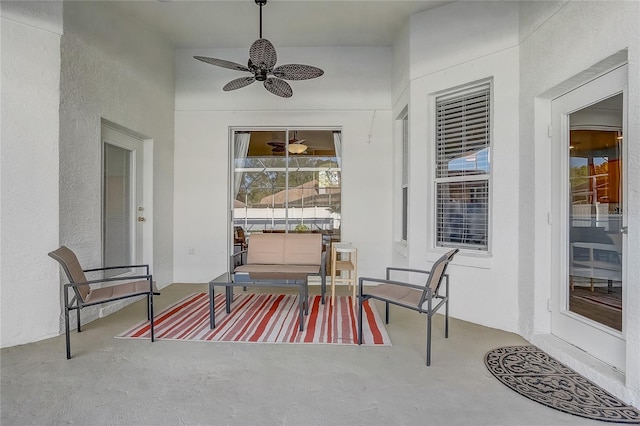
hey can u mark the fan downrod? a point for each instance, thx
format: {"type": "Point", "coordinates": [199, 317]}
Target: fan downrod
{"type": "Point", "coordinates": [261, 3]}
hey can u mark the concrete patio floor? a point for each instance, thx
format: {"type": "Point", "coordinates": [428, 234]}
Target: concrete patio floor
{"type": "Point", "coordinates": [135, 382]}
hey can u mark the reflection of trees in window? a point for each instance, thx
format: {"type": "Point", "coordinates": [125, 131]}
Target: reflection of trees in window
{"type": "Point", "coordinates": [278, 189]}
{"type": "Point", "coordinates": [256, 186]}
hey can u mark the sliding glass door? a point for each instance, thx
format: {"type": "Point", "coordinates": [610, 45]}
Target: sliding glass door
{"type": "Point", "coordinates": [286, 180]}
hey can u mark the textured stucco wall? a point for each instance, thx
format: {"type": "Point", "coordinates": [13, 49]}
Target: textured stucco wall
{"type": "Point", "coordinates": [116, 69]}
{"type": "Point", "coordinates": [452, 46]}
{"type": "Point", "coordinates": [561, 42]}
{"type": "Point", "coordinates": [29, 170]}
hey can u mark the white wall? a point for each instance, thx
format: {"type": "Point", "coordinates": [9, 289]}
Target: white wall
{"type": "Point", "coordinates": [29, 170]}
{"type": "Point", "coordinates": [454, 34]}
{"type": "Point", "coordinates": [564, 45]}
{"type": "Point", "coordinates": [116, 69]}
{"type": "Point", "coordinates": [451, 46]}
{"type": "Point", "coordinates": [400, 65]}
{"type": "Point", "coordinates": [354, 94]}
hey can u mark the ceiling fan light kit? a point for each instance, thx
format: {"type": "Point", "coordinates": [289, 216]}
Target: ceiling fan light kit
{"type": "Point", "coordinates": [297, 148]}
{"type": "Point", "coordinates": [295, 145]}
{"type": "Point", "coordinates": [262, 64]}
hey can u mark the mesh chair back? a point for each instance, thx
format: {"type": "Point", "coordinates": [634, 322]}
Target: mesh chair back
{"type": "Point", "coordinates": [437, 274]}
{"type": "Point", "coordinates": [71, 267]}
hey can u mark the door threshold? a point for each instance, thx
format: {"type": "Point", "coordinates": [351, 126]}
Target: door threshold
{"type": "Point", "coordinates": [602, 374]}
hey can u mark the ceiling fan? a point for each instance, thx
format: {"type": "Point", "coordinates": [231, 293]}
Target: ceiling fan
{"type": "Point", "coordinates": [295, 146]}
{"type": "Point", "coordinates": [262, 61]}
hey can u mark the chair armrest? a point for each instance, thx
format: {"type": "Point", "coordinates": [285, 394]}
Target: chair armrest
{"type": "Point", "coordinates": [105, 280]}
{"type": "Point", "coordinates": [383, 281]}
{"type": "Point", "coordinates": [106, 268]}
{"type": "Point", "coordinates": [234, 256]}
{"type": "Point", "coordinates": [392, 268]}
{"type": "Point", "coordinates": [239, 253]}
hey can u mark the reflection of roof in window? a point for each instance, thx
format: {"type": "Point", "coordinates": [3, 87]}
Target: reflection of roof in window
{"type": "Point", "coordinates": [307, 191]}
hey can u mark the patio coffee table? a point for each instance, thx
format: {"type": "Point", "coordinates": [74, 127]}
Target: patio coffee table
{"type": "Point", "coordinates": [226, 280]}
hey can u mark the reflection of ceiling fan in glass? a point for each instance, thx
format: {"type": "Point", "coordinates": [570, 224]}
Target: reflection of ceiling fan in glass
{"type": "Point", "coordinates": [296, 146]}
{"type": "Point", "coordinates": [262, 64]}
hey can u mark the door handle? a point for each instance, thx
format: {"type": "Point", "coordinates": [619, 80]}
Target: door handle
{"type": "Point", "coordinates": [141, 219]}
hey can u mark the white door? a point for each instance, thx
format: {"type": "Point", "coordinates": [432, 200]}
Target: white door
{"type": "Point", "coordinates": [588, 166]}
{"type": "Point", "coordinates": [123, 212]}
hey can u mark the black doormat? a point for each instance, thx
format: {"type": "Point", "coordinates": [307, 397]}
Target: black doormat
{"type": "Point", "coordinates": [541, 378]}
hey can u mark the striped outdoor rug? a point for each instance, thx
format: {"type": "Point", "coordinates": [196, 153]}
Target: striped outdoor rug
{"type": "Point", "coordinates": [269, 318]}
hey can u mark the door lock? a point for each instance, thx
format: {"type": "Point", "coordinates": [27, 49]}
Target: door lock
{"type": "Point", "coordinates": [141, 219]}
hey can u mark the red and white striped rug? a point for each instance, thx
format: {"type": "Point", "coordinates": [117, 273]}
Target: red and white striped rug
{"type": "Point", "coordinates": [269, 318]}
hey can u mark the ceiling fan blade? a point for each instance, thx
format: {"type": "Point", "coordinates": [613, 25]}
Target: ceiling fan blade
{"type": "Point", "coordinates": [263, 54]}
{"type": "Point", "coordinates": [297, 72]}
{"type": "Point", "coordinates": [222, 63]}
{"type": "Point", "coordinates": [238, 83]}
{"type": "Point", "coordinates": [278, 87]}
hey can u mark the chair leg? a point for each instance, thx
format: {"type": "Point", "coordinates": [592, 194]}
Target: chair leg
{"type": "Point", "coordinates": [386, 313]}
{"type": "Point", "coordinates": [78, 320]}
{"type": "Point", "coordinates": [153, 337]}
{"type": "Point", "coordinates": [360, 320]}
{"type": "Point", "coordinates": [334, 258]}
{"type": "Point", "coordinates": [66, 332]}
{"type": "Point", "coordinates": [446, 319]}
{"type": "Point", "coordinates": [428, 340]}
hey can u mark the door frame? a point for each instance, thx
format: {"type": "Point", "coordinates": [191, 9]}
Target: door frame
{"type": "Point", "coordinates": [600, 341]}
{"type": "Point", "coordinates": [113, 133]}
{"type": "Point", "coordinates": [231, 170]}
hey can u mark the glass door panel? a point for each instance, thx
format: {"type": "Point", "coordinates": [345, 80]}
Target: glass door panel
{"type": "Point", "coordinates": [286, 181]}
{"type": "Point", "coordinates": [314, 183]}
{"type": "Point", "coordinates": [118, 209]}
{"type": "Point", "coordinates": [595, 214]}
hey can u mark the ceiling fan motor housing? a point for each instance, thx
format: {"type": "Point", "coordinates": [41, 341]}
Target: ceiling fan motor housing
{"type": "Point", "coordinates": [259, 71]}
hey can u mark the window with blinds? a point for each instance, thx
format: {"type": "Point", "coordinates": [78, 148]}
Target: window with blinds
{"type": "Point", "coordinates": [463, 167]}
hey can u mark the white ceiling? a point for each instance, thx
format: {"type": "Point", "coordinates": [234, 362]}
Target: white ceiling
{"type": "Point", "coordinates": [292, 23]}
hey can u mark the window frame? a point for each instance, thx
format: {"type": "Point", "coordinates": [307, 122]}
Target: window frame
{"type": "Point", "coordinates": [404, 178]}
{"type": "Point", "coordinates": [468, 90]}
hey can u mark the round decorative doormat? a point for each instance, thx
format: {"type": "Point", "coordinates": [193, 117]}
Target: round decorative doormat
{"type": "Point", "coordinates": [539, 377]}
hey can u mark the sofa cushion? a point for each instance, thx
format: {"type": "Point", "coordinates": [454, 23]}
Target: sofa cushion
{"type": "Point", "coordinates": [285, 249]}
{"type": "Point", "coordinates": [275, 272]}
{"type": "Point", "coordinates": [266, 249]}
{"type": "Point", "coordinates": [303, 249]}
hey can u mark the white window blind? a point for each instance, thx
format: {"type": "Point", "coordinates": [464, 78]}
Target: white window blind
{"type": "Point", "coordinates": [463, 140]}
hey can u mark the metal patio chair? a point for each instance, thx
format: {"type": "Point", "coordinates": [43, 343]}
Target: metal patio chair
{"type": "Point", "coordinates": [424, 298]}
{"type": "Point", "coordinates": [89, 293]}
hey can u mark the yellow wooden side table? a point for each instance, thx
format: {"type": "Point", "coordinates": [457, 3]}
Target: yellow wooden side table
{"type": "Point", "coordinates": [344, 257]}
